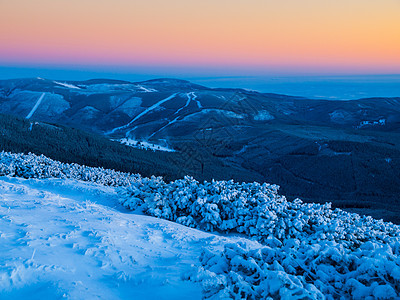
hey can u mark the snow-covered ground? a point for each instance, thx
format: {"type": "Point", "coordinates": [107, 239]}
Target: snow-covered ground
{"type": "Point", "coordinates": [145, 145]}
{"type": "Point", "coordinates": [145, 89]}
{"type": "Point", "coordinates": [66, 238]}
{"type": "Point", "coordinates": [67, 85]}
{"type": "Point", "coordinates": [380, 122]}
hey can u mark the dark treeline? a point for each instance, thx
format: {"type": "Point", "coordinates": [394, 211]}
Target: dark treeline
{"type": "Point", "coordinates": [76, 146]}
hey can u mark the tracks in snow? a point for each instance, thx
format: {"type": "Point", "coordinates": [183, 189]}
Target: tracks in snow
{"type": "Point", "coordinates": [65, 236]}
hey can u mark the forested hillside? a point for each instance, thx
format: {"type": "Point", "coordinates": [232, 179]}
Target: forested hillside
{"type": "Point", "coordinates": [75, 146]}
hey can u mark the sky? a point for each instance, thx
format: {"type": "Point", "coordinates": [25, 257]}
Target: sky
{"type": "Point", "coordinates": [207, 37]}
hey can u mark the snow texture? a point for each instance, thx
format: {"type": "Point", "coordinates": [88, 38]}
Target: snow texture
{"type": "Point", "coordinates": [64, 239]}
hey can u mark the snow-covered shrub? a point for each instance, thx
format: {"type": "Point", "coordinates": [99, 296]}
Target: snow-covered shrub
{"type": "Point", "coordinates": [285, 273]}
{"type": "Point", "coordinates": [40, 166]}
{"type": "Point", "coordinates": [305, 250]}
{"type": "Point", "coordinates": [310, 250]}
{"type": "Point", "coordinates": [251, 274]}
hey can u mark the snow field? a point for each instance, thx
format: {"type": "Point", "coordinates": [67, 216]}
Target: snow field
{"type": "Point", "coordinates": [67, 239]}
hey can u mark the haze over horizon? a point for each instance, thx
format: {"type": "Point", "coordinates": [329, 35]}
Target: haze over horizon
{"type": "Point", "coordinates": [255, 37]}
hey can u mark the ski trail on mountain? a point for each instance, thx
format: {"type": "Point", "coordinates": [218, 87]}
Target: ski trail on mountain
{"type": "Point", "coordinates": [36, 106]}
{"type": "Point", "coordinates": [186, 105]}
{"type": "Point", "coordinates": [191, 97]}
{"type": "Point", "coordinates": [147, 90]}
{"type": "Point", "coordinates": [194, 97]}
{"type": "Point", "coordinates": [170, 123]}
{"type": "Point", "coordinates": [143, 113]}
{"type": "Point", "coordinates": [67, 85]}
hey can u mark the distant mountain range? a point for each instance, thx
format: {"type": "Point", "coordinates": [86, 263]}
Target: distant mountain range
{"type": "Point", "coordinates": [347, 152]}
{"type": "Point", "coordinates": [153, 109]}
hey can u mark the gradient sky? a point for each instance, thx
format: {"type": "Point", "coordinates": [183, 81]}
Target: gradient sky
{"type": "Point", "coordinates": [311, 36]}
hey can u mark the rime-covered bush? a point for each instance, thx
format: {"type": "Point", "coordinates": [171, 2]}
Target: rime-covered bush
{"type": "Point", "coordinates": [251, 274]}
{"type": "Point", "coordinates": [311, 250]}
{"type": "Point", "coordinates": [300, 271]}
{"type": "Point", "coordinates": [253, 209]}
{"type": "Point", "coordinates": [301, 251]}
{"type": "Point", "coordinates": [40, 166]}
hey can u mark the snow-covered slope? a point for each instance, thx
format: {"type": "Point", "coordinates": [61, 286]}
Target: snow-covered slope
{"type": "Point", "coordinates": [64, 237]}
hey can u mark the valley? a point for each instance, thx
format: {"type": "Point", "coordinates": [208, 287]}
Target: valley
{"type": "Point", "coordinates": [344, 152]}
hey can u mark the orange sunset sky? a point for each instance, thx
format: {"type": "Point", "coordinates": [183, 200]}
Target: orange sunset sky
{"type": "Point", "coordinates": [350, 36]}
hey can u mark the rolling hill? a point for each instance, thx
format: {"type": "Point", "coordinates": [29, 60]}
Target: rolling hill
{"type": "Point", "coordinates": [346, 152]}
